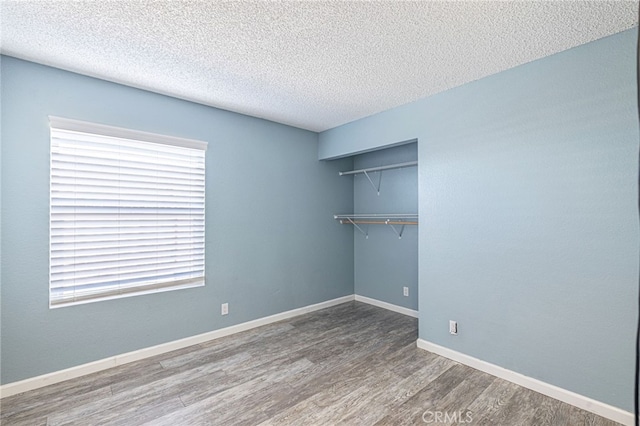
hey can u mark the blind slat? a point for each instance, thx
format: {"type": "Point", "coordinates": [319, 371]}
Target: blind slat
{"type": "Point", "coordinates": [89, 255]}
{"type": "Point", "coordinates": [147, 270]}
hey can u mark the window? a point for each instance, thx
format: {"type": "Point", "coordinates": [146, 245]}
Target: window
{"type": "Point", "coordinates": [127, 212]}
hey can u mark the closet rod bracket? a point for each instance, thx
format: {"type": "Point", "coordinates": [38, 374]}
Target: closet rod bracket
{"type": "Point", "coordinates": [376, 188]}
{"type": "Point", "coordinates": [366, 234]}
{"type": "Point", "coordinates": [398, 233]}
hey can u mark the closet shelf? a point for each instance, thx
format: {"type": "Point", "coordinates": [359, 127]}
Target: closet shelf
{"type": "Point", "coordinates": [392, 220]}
{"type": "Point", "coordinates": [379, 170]}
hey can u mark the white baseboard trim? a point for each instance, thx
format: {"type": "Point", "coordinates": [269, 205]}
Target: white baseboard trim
{"type": "Point", "coordinates": [385, 305]}
{"type": "Point", "coordinates": [580, 401]}
{"type": "Point", "coordinates": [70, 373]}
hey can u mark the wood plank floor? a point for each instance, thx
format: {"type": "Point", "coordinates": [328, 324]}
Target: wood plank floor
{"type": "Point", "coordinates": [352, 364]}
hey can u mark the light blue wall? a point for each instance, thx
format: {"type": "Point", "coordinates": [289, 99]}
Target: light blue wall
{"type": "Point", "coordinates": [1, 90]}
{"type": "Point", "coordinates": [383, 263]}
{"type": "Point", "coordinates": [528, 219]}
{"type": "Point", "coordinates": [271, 242]}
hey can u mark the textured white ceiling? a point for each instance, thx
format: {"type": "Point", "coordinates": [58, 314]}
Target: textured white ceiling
{"type": "Point", "coordinates": [313, 65]}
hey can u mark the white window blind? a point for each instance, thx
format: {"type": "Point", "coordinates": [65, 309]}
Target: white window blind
{"type": "Point", "coordinates": [127, 212]}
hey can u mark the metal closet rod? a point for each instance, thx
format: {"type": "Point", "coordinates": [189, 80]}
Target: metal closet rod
{"type": "Point", "coordinates": [380, 168]}
{"type": "Point", "coordinates": [376, 216]}
{"type": "Point", "coordinates": [376, 222]}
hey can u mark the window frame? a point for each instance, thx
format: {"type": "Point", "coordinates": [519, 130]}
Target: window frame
{"type": "Point", "coordinates": [121, 139]}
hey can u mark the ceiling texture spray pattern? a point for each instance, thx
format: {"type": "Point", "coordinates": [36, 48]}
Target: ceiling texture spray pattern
{"type": "Point", "coordinates": [313, 65]}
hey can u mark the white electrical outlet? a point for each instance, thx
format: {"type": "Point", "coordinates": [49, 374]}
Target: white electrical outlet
{"type": "Point", "coordinates": [453, 327]}
{"type": "Point", "coordinates": [405, 291]}
{"type": "Point", "coordinates": [224, 310]}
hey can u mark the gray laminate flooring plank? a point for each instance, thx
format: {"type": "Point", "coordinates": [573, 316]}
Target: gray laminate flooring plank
{"type": "Point", "coordinates": [205, 388]}
{"type": "Point", "coordinates": [344, 368]}
{"type": "Point", "coordinates": [320, 376]}
{"type": "Point", "coordinates": [136, 413]}
{"type": "Point", "coordinates": [546, 413]}
{"type": "Point", "coordinates": [33, 421]}
{"type": "Point", "coordinates": [72, 393]}
{"type": "Point", "coordinates": [204, 355]}
{"type": "Point", "coordinates": [362, 406]}
{"type": "Point", "coordinates": [580, 417]}
{"type": "Point", "coordinates": [454, 405]}
{"type": "Point", "coordinates": [248, 410]}
{"type": "Point", "coordinates": [518, 410]}
{"type": "Point", "coordinates": [116, 375]}
{"type": "Point", "coordinates": [184, 372]}
{"type": "Point", "coordinates": [239, 342]}
{"type": "Point", "coordinates": [409, 358]}
{"type": "Point", "coordinates": [492, 400]}
{"type": "Point", "coordinates": [235, 401]}
{"type": "Point", "coordinates": [302, 413]}
{"type": "Point", "coordinates": [561, 416]}
{"type": "Point", "coordinates": [411, 411]}
{"type": "Point", "coordinates": [29, 407]}
{"type": "Point", "coordinates": [131, 401]}
{"type": "Point", "coordinates": [406, 388]}
{"type": "Point", "coordinates": [314, 343]}
{"type": "Point", "coordinates": [201, 412]}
